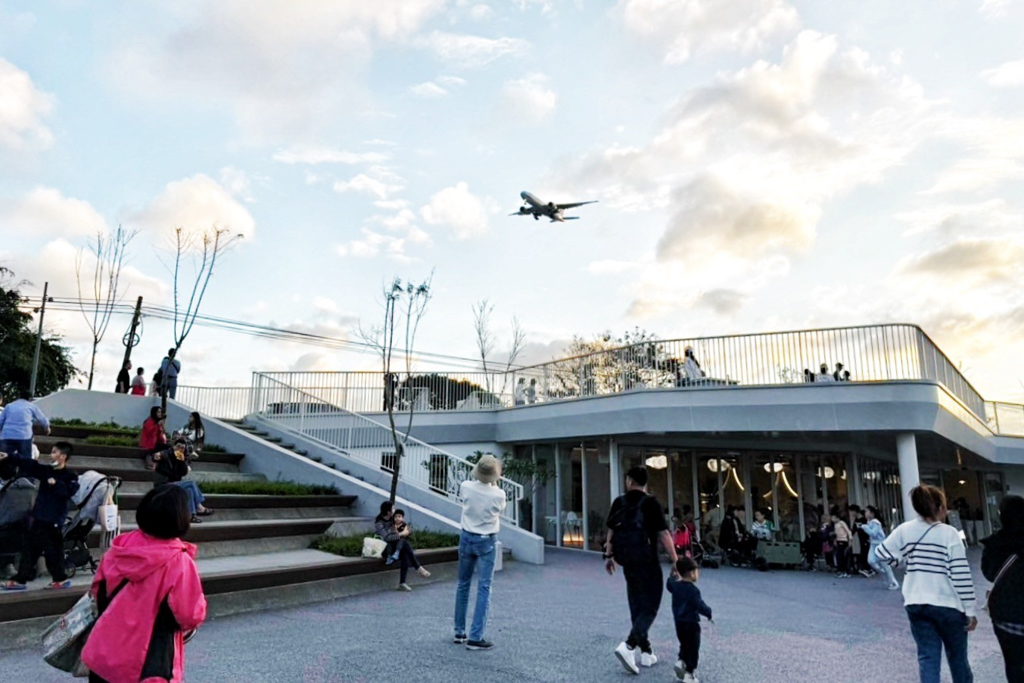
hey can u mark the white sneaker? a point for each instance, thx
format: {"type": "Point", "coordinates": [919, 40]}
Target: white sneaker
{"type": "Point", "coordinates": [648, 659]}
{"type": "Point", "coordinates": [894, 586]}
{"type": "Point", "coordinates": [627, 656]}
{"type": "Point", "coordinates": [690, 678]}
{"type": "Point", "coordinates": [404, 587]}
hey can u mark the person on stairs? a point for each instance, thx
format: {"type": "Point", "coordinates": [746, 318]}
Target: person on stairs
{"type": "Point", "coordinates": [56, 486]}
{"type": "Point", "coordinates": [172, 468]}
{"type": "Point", "coordinates": [391, 527]}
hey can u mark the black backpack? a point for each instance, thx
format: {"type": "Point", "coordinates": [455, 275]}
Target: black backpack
{"type": "Point", "coordinates": [631, 544]}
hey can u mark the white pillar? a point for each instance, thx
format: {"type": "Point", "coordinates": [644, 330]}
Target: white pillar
{"type": "Point", "coordinates": [906, 454]}
{"type": "Point", "coordinates": [614, 468]}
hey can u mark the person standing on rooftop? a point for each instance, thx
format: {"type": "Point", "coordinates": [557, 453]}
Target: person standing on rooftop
{"type": "Point", "coordinates": [16, 422]}
{"type": "Point", "coordinates": [124, 379]}
{"type": "Point", "coordinates": [824, 375]}
{"type": "Point", "coordinates": [170, 367]}
{"type": "Point", "coordinates": [635, 527]}
{"type": "Point", "coordinates": [938, 592]}
{"type": "Point", "coordinates": [483, 501]}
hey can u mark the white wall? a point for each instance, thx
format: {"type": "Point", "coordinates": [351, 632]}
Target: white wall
{"type": "Point", "coordinates": [98, 406]}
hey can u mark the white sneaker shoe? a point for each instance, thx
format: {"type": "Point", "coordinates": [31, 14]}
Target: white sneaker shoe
{"type": "Point", "coordinates": [690, 678]}
{"type": "Point", "coordinates": [627, 656]}
{"type": "Point", "coordinates": [894, 586]}
{"type": "Point", "coordinates": [648, 659]}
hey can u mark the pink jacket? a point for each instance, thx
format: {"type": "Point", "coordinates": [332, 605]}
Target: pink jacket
{"type": "Point", "coordinates": [155, 570]}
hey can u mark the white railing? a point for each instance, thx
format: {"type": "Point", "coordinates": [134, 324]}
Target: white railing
{"type": "Point", "coordinates": [226, 403]}
{"type": "Point", "coordinates": [371, 443]}
{"type": "Point", "coordinates": [874, 353]}
{"type": "Point", "coordinates": [1005, 419]}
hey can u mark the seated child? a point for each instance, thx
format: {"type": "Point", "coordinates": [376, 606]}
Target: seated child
{"type": "Point", "coordinates": [398, 521]}
{"type": "Point", "coordinates": [687, 606]}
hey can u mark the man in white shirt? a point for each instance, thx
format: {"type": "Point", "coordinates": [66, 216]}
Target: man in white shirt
{"type": "Point", "coordinates": [824, 375]}
{"type": "Point", "coordinates": [483, 501]}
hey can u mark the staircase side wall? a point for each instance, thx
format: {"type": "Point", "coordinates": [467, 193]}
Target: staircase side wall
{"type": "Point", "coordinates": [525, 546]}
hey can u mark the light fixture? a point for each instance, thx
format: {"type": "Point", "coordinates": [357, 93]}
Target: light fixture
{"type": "Point", "coordinates": [785, 482]}
{"type": "Point", "coordinates": [718, 465]}
{"type": "Point", "coordinates": [657, 462]}
{"type": "Point", "coordinates": [778, 466]}
{"type": "Point", "coordinates": [871, 476]}
{"type": "Point", "coordinates": [736, 478]}
{"type": "Point", "coordinates": [829, 472]}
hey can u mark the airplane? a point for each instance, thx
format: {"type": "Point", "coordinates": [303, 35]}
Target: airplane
{"type": "Point", "coordinates": [536, 208]}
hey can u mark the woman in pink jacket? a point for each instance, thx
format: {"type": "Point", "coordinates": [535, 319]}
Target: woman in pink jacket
{"type": "Point", "coordinates": [148, 593]}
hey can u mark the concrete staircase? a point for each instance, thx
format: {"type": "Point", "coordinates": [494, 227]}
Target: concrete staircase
{"type": "Point", "coordinates": [253, 552]}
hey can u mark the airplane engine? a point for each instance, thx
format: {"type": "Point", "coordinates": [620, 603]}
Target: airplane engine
{"type": "Point", "coordinates": [551, 205]}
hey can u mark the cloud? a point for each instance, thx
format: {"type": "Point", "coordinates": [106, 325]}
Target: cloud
{"type": "Point", "coordinates": [22, 110]}
{"type": "Point", "coordinates": [994, 9]}
{"type": "Point", "coordinates": [365, 184]}
{"type": "Point", "coordinates": [681, 27]}
{"type": "Point", "coordinates": [372, 244]}
{"type": "Point", "coordinates": [197, 203]}
{"type": "Point", "coordinates": [469, 51]}
{"type": "Point", "coordinates": [237, 182]}
{"type": "Point", "coordinates": [428, 90]}
{"type": "Point", "coordinates": [528, 98]}
{"type": "Point", "coordinates": [723, 301]}
{"type": "Point", "coordinates": [457, 208]}
{"type": "Point", "coordinates": [1007, 75]}
{"type": "Point", "coordinates": [46, 212]}
{"type": "Point", "coordinates": [710, 216]}
{"type": "Point", "coordinates": [315, 154]}
{"type": "Point", "coordinates": [281, 68]}
{"type": "Point", "coordinates": [985, 260]}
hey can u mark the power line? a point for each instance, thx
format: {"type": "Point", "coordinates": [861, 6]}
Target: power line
{"type": "Point", "coordinates": [248, 329]}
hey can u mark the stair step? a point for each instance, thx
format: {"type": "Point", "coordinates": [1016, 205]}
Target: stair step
{"type": "Point", "coordinates": [82, 449]}
{"type": "Point", "coordinates": [102, 464]}
{"type": "Point", "coordinates": [210, 531]}
{"type": "Point", "coordinates": [219, 501]}
{"type": "Point", "coordinates": [131, 474]}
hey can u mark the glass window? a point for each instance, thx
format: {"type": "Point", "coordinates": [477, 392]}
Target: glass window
{"type": "Point", "coordinates": [571, 491]}
{"type": "Point", "coordinates": [544, 495]}
{"type": "Point", "coordinates": [598, 483]}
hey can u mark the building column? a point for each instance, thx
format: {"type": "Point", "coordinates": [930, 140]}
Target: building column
{"type": "Point", "coordinates": [906, 454]}
{"type": "Point", "coordinates": [558, 495]}
{"type": "Point", "coordinates": [614, 468]}
{"type": "Point", "coordinates": [853, 483]}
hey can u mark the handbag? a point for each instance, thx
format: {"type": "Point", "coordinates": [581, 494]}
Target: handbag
{"type": "Point", "coordinates": [64, 639]}
{"type": "Point", "coordinates": [1002, 570]}
{"type": "Point", "coordinates": [107, 514]}
{"type": "Point", "coordinates": [373, 547]}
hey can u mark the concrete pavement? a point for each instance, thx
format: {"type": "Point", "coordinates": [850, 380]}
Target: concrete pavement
{"type": "Point", "coordinates": [559, 622]}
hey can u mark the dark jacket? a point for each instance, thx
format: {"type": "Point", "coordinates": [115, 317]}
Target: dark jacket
{"type": "Point", "coordinates": [52, 501]}
{"type": "Point", "coordinates": [169, 468]}
{"type": "Point", "coordinates": [1006, 603]}
{"type": "Point", "coordinates": [687, 604]}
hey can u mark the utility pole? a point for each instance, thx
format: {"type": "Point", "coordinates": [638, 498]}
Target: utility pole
{"type": "Point", "coordinates": [39, 342]}
{"type": "Point", "coordinates": [131, 340]}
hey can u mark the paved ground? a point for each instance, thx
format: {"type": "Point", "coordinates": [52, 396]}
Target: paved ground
{"type": "Point", "coordinates": [560, 622]}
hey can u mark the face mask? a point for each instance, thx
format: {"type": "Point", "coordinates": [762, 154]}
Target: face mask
{"type": "Point", "coordinates": [55, 464]}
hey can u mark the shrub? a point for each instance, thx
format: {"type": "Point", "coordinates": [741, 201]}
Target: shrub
{"type": "Point", "coordinates": [266, 488]}
{"type": "Point", "coordinates": [122, 441]}
{"type": "Point", "coordinates": [214, 448]}
{"type": "Point", "coordinates": [352, 546]}
{"type": "Point", "coordinates": [108, 427]}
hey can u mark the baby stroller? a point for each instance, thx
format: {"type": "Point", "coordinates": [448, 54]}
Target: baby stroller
{"type": "Point", "coordinates": [93, 490]}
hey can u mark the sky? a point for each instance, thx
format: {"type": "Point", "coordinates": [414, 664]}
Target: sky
{"type": "Point", "coordinates": [760, 165]}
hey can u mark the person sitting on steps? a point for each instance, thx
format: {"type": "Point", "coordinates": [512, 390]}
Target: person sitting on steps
{"type": "Point", "coordinates": [391, 527]}
{"type": "Point", "coordinates": [172, 468]}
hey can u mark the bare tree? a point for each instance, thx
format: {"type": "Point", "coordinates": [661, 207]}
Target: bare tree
{"type": "Point", "coordinates": [109, 253]}
{"type": "Point", "coordinates": [202, 250]}
{"type": "Point", "coordinates": [404, 306]}
{"type": "Point", "coordinates": [484, 337]}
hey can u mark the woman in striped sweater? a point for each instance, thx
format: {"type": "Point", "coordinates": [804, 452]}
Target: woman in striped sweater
{"type": "Point", "coordinates": [938, 592]}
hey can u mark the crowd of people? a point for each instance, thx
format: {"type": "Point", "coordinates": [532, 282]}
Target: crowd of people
{"type": "Point", "coordinates": [164, 380]}
{"type": "Point", "coordinates": [823, 375]}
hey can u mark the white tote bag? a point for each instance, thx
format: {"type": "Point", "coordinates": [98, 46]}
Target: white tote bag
{"type": "Point", "coordinates": [373, 547]}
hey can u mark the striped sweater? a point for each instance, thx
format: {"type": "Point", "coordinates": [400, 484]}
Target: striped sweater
{"type": "Point", "coordinates": [937, 569]}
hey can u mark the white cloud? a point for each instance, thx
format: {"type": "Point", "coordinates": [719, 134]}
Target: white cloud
{"type": "Point", "coordinates": [472, 51]}
{"type": "Point", "coordinates": [1007, 75]}
{"type": "Point", "coordinates": [365, 184]}
{"type": "Point", "coordinates": [529, 98]}
{"type": "Point", "coordinates": [459, 209]}
{"type": "Point", "coordinates": [994, 9]}
{"type": "Point", "coordinates": [281, 68]}
{"type": "Point", "coordinates": [196, 204]}
{"type": "Point", "coordinates": [682, 27]}
{"type": "Point", "coordinates": [372, 244]}
{"type": "Point", "coordinates": [22, 110]}
{"type": "Point", "coordinates": [315, 154]}
{"type": "Point", "coordinates": [46, 212]}
{"type": "Point", "coordinates": [237, 182]}
{"type": "Point", "coordinates": [428, 90]}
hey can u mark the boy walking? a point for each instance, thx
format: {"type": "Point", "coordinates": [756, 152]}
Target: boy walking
{"type": "Point", "coordinates": [57, 485]}
{"type": "Point", "coordinates": [687, 607]}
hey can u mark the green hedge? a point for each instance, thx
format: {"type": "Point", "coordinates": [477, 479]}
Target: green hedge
{"type": "Point", "coordinates": [266, 488]}
{"type": "Point", "coordinates": [110, 427]}
{"type": "Point", "coordinates": [122, 441]}
{"type": "Point", "coordinates": [352, 546]}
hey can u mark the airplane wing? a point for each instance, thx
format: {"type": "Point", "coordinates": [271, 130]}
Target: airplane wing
{"type": "Point", "coordinates": [519, 213]}
{"type": "Point", "coordinates": [573, 206]}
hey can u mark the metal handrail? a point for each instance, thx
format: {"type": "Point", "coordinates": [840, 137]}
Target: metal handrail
{"type": "Point", "coordinates": [358, 437]}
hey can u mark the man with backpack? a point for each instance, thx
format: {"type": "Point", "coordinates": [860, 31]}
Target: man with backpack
{"type": "Point", "coordinates": [635, 527]}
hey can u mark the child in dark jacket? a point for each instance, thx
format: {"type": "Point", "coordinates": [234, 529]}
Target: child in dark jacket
{"type": "Point", "coordinates": [687, 607]}
{"type": "Point", "coordinates": [57, 485]}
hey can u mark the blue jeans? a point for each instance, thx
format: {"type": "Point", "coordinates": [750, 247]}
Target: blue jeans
{"type": "Point", "coordinates": [474, 550]}
{"type": "Point", "coordinates": [195, 496]}
{"type": "Point", "coordinates": [17, 448]}
{"type": "Point", "coordinates": [934, 628]}
{"type": "Point", "coordinates": [882, 568]}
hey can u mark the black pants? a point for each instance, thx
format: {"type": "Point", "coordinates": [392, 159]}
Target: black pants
{"type": "Point", "coordinates": [843, 556]}
{"type": "Point", "coordinates": [42, 538]}
{"type": "Point", "coordinates": [1013, 655]}
{"type": "Point", "coordinates": [688, 633]}
{"type": "Point", "coordinates": [644, 587]}
{"type": "Point", "coordinates": [406, 559]}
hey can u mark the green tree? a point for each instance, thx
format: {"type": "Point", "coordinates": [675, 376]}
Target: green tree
{"type": "Point", "coordinates": [18, 345]}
